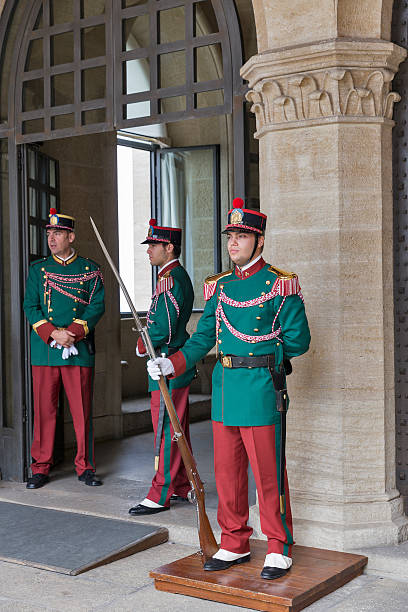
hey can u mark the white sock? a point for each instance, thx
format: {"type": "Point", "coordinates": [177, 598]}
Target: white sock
{"type": "Point", "coordinates": [277, 560]}
{"type": "Point", "coordinates": [150, 504]}
{"type": "Point", "coordinates": [226, 555]}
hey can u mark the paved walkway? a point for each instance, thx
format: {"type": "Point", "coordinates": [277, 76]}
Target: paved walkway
{"type": "Point", "coordinates": [127, 467]}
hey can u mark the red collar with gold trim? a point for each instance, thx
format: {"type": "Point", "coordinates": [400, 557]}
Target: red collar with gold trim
{"type": "Point", "coordinates": [258, 265]}
{"type": "Point", "coordinates": [170, 266]}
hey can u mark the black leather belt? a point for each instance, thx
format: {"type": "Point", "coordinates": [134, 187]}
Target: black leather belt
{"type": "Point", "coordinates": [257, 361]}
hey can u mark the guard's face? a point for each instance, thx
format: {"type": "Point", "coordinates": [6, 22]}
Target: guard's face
{"type": "Point", "coordinates": [60, 241]}
{"type": "Point", "coordinates": [240, 247]}
{"type": "Point", "coordinates": [157, 254]}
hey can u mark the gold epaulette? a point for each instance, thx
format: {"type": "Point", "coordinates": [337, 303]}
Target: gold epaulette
{"type": "Point", "coordinates": [281, 273]}
{"type": "Point", "coordinates": [210, 283]}
{"type": "Point", "coordinates": [216, 277]}
{"type": "Point", "coordinates": [287, 283]}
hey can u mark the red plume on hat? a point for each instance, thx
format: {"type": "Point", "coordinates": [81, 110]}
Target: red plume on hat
{"type": "Point", "coordinates": [238, 203]}
{"type": "Point", "coordinates": [53, 211]}
{"type": "Point", "coordinates": [153, 222]}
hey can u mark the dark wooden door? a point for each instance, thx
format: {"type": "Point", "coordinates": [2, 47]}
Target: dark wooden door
{"type": "Point", "coordinates": [40, 191]}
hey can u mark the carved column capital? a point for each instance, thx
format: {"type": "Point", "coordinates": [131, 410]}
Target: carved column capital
{"type": "Point", "coordinates": [331, 81]}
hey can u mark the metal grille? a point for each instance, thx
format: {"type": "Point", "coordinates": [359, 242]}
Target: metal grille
{"type": "Point", "coordinates": [400, 171]}
{"type": "Point", "coordinates": [184, 57]}
{"type": "Point", "coordinates": [64, 81]}
{"type": "Point", "coordinates": [109, 64]}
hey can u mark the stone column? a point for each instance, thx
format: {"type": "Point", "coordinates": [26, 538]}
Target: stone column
{"type": "Point", "coordinates": [324, 122]}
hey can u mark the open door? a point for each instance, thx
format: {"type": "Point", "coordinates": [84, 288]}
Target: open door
{"type": "Point", "coordinates": [40, 192]}
{"type": "Point", "coordinates": [37, 177]}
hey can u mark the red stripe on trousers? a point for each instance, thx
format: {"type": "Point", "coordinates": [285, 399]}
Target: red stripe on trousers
{"type": "Point", "coordinates": [233, 446]}
{"type": "Point", "coordinates": [180, 484]}
{"type": "Point", "coordinates": [77, 381]}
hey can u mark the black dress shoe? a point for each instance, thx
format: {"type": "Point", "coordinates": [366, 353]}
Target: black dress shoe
{"type": "Point", "coordinates": [90, 479]}
{"type": "Point", "coordinates": [175, 497]}
{"type": "Point", "coordinates": [36, 481]}
{"type": "Point", "coordinates": [213, 564]}
{"type": "Point", "coordinates": [271, 573]}
{"type": "Point", "coordinates": [141, 509]}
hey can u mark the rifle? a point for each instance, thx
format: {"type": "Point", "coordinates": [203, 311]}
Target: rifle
{"type": "Point", "coordinates": [206, 536]}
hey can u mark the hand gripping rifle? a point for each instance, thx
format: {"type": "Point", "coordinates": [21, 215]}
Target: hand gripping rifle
{"type": "Point", "coordinates": [207, 540]}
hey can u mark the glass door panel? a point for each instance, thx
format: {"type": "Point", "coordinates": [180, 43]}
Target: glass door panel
{"type": "Point", "coordinates": [42, 187]}
{"type": "Point", "coordinates": [188, 197]}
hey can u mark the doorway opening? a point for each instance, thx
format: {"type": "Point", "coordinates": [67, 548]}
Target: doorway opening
{"type": "Point", "coordinates": [82, 79]}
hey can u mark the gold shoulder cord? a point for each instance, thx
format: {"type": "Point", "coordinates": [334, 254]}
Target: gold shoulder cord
{"type": "Point", "coordinates": [216, 277]}
{"type": "Point", "coordinates": [281, 273]}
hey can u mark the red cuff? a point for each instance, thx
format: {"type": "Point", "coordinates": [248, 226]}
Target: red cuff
{"type": "Point", "coordinates": [44, 331]}
{"type": "Point", "coordinates": [78, 330]}
{"type": "Point", "coordinates": [179, 363]}
{"type": "Point", "coordinates": [140, 346]}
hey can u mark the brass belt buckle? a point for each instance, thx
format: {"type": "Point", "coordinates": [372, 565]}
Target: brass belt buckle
{"type": "Point", "coordinates": [226, 361]}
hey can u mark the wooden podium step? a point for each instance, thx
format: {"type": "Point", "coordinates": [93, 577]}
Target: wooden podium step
{"type": "Point", "coordinates": [315, 573]}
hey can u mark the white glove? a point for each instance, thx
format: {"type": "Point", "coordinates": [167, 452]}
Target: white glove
{"type": "Point", "coordinates": [67, 352]}
{"type": "Point", "coordinates": [161, 366]}
{"type": "Point", "coordinates": [54, 344]}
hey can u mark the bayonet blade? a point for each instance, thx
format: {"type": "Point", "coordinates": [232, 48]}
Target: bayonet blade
{"type": "Point", "coordinates": [118, 278]}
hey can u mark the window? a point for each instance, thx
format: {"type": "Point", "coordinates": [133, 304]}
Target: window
{"type": "Point", "coordinates": [42, 193]}
{"type": "Point", "coordinates": [180, 188]}
{"type": "Point", "coordinates": [188, 198]}
{"type": "Point", "coordinates": [134, 212]}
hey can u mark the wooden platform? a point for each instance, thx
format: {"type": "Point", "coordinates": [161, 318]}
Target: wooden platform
{"type": "Point", "coordinates": [315, 573]}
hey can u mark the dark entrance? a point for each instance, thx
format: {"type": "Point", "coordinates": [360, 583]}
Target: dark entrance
{"type": "Point", "coordinates": [68, 69]}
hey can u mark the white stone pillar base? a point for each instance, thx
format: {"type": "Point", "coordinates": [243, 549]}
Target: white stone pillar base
{"type": "Point", "coordinates": [370, 523]}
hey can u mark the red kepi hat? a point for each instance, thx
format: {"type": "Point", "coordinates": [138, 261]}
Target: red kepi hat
{"type": "Point", "coordinates": [162, 234]}
{"type": "Point", "coordinates": [240, 218]}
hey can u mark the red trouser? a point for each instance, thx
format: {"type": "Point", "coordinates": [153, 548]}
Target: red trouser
{"type": "Point", "coordinates": [171, 477]}
{"type": "Point", "coordinates": [78, 383]}
{"type": "Point", "coordinates": [233, 446]}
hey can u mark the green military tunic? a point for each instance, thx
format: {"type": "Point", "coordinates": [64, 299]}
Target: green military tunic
{"type": "Point", "coordinates": [169, 313]}
{"type": "Point", "coordinates": [67, 295]}
{"type": "Point", "coordinates": [258, 314]}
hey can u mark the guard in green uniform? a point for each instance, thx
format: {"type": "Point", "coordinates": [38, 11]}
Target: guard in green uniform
{"type": "Point", "coordinates": [256, 317]}
{"type": "Point", "coordinates": [63, 302]}
{"type": "Point", "coordinates": [167, 319]}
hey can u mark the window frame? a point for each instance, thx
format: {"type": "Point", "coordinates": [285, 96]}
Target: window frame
{"type": "Point", "coordinates": [155, 198]}
{"type": "Point", "coordinates": [144, 146]}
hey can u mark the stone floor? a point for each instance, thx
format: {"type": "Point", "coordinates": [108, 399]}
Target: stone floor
{"type": "Point", "coordinates": [127, 468]}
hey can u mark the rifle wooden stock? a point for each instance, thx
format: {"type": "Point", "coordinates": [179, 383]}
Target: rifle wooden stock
{"type": "Point", "coordinates": [206, 536]}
